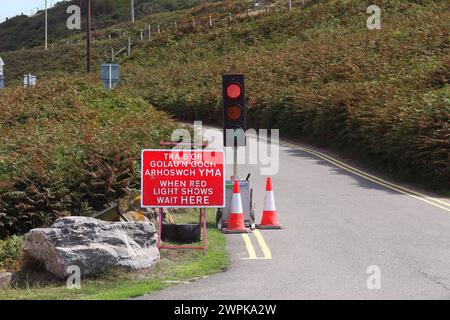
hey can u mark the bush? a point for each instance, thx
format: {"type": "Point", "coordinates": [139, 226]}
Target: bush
{"type": "Point", "coordinates": [11, 253]}
{"type": "Point", "coordinates": [69, 147]}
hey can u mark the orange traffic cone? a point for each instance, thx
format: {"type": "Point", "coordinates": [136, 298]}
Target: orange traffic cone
{"type": "Point", "coordinates": [270, 218]}
{"type": "Point", "coordinates": [236, 218]}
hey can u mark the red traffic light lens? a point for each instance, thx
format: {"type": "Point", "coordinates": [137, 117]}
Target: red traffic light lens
{"type": "Point", "coordinates": [234, 112]}
{"type": "Point", "coordinates": [234, 91]}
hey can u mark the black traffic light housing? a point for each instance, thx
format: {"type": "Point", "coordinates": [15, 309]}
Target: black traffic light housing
{"type": "Point", "coordinates": [234, 111]}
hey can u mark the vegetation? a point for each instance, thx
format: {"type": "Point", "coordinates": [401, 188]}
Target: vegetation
{"type": "Point", "coordinates": [69, 147]}
{"type": "Point", "coordinates": [11, 253]}
{"type": "Point", "coordinates": [316, 73]}
{"type": "Point", "coordinates": [28, 32]}
{"type": "Point", "coordinates": [176, 266]}
{"type": "Point", "coordinates": [320, 74]}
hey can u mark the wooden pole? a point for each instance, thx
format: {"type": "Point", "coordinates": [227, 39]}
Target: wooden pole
{"type": "Point", "coordinates": [46, 26]}
{"type": "Point", "coordinates": [89, 37]}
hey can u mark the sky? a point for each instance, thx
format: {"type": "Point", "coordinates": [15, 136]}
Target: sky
{"type": "Point", "coordinates": [11, 8]}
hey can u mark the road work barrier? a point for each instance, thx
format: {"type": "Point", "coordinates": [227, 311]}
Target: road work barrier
{"type": "Point", "coordinates": [270, 217]}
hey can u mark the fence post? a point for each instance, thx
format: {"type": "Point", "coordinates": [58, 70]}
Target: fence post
{"type": "Point", "coordinates": [142, 35]}
{"type": "Point", "coordinates": [229, 14]}
{"type": "Point", "coordinates": [176, 27]}
{"type": "Point", "coordinates": [193, 22]}
{"type": "Point", "coordinates": [149, 33]}
{"type": "Point", "coordinates": [290, 5]}
{"type": "Point", "coordinates": [129, 46]}
{"type": "Point", "coordinates": [248, 12]}
{"type": "Point", "coordinates": [159, 30]}
{"type": "Point", "coordinates": [210, 21]}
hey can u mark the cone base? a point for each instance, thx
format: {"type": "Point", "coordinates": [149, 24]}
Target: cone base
{"type": "Point", "coordinates": [225, 231]}
{"type": "Point", "coordinates": [260, 226]}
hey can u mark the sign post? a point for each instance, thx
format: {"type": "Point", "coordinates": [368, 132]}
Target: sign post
{"type": "Point", "coordinates": [2, 79]}
{"type": "Point", "coordinates": [29, 80]}
{"type": "Point", "coordinates": [182, 179]}
{"type": "Point", "coordinates": [110, 75]}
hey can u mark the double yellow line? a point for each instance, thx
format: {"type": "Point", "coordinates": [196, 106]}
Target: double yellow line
{"type": "Point", "coordinates": [251, 250]}
{"type": "Point", "coordinates": [444, 205]}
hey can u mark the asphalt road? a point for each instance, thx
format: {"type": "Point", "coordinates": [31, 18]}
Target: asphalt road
{"type": "Point", "coordinates": [339, 222]}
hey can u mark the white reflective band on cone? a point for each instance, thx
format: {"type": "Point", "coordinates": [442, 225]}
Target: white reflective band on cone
{"type": "Point", "coordinates": [236, 203]}
{"type": "Point", "coordinates": [269, 202]}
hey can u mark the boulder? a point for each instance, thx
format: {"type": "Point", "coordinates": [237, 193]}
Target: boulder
{"type": "Point", "coordinates": [92, 245]}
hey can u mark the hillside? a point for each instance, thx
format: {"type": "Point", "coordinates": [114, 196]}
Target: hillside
{"type": "Point", "coordinates": [316, 73]}
{"type": "Point", "coordinates": [27, 32]}
{"type": "Point", "coordinates": [69, 147]}
{"type": "Point", "coordinates": [319, 74]}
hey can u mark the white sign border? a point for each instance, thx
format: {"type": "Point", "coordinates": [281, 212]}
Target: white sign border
{"type": "Point", "coordinates": [181, 150]}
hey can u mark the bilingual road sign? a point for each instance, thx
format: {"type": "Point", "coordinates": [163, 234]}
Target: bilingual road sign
{"type": "Point", "coordinates": [182, 178]}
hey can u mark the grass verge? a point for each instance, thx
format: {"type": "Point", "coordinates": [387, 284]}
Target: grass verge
{"type": "Point", "coordinates": [175, 266]}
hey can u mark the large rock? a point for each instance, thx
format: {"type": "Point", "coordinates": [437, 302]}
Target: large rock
{"type": "Point", "coordinates": [92, 245]}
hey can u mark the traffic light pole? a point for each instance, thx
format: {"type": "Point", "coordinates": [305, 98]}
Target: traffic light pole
{"type": "Point", "coordinates": [235, 173]}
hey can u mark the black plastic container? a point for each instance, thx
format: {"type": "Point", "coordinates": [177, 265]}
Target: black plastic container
{"type": "Point", "coordinates": [181, 233]}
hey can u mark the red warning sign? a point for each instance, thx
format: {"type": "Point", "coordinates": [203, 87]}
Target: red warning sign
{"type": "Point", "coordinates": [182, 178]}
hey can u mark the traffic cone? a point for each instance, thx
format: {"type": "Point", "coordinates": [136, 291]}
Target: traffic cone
{"type": "Point", "coordinates": [236, 218]}
{"type": "Point", "coordinates": [270, 217]}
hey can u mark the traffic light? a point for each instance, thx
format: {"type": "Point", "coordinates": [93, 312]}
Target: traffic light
{"type": "Point", "coordinates": [234, 112]}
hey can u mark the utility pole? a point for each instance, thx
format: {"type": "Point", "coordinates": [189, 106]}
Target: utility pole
{"type": "Point", "coordinates": [46, 27]}
{"type": "Point", "coordinates": [89, 37]}
{"type": "Point", "coordinates": [132, 11]}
